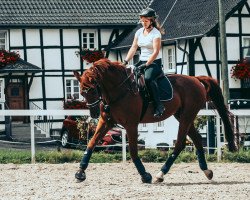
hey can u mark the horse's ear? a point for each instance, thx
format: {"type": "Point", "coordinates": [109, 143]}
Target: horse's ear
{"type": "Point", "coordinates": [77, 75]}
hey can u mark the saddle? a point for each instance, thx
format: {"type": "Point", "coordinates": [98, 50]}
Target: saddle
{"type": "Point", "coordinates": [165, 88]}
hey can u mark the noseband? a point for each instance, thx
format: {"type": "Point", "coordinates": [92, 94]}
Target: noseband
{"type": "Point", "coordinates": [93, 99]}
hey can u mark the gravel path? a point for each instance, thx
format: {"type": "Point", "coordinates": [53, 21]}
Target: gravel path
{"type": "Point", "coordinates": [121, 181]}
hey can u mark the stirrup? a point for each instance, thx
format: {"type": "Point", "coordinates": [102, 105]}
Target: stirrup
{"type": "Point", "coordinates": [159, 111]}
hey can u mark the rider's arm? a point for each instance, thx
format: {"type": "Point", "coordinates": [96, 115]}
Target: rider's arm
{"type": "Point", "coordinates": [132, 49]}
{"type": "Point", "coordinates": [156, 48]}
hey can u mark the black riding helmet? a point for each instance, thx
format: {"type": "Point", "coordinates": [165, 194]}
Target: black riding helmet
{"type": "Point", "coordinates": [148, 12]}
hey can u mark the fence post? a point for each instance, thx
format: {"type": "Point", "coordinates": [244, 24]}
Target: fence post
{"type": "Point", "coordinates": [218, 138]}
{"type": "Point", "coordinates": [32, 132]}
{"type": "Point", "coordinates": [124, 145]}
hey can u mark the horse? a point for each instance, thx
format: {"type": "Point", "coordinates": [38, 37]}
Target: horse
{"type": "Point", "coordinates": [108, 90]}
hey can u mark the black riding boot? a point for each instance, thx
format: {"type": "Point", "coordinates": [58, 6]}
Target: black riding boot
{"type": "Point", "coordinates": [159, 108]}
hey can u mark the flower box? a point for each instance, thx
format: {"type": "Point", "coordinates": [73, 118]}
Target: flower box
{"type": "Point", "coordinates": [241, 70]}
{"type": "Point", "coordinates": [7, 57]}
{"type": "Point", "coordinates": [91, 55]}
{"type": "Point", "coordinates": [74, 104]}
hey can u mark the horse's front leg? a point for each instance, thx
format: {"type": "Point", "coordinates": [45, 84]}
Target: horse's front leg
{"type": "Point", "coordinates": [132, 134]}
{"type": "Point", "coordinates": [101, 130]}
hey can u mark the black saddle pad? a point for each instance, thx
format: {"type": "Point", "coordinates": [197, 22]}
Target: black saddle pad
{"type": "Point", "coordinates": [165, 89]}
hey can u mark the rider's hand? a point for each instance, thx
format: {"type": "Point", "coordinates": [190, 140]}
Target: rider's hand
{"type": "Point", "coordinates": [142, 67]}
{"type": "Point", "coordinates": [125, 62]}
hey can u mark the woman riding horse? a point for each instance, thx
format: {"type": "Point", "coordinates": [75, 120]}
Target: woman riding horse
{"type": "Point", "coordinates": [148, 38]}
{"type": "Point", "coordinates": [108, 90]}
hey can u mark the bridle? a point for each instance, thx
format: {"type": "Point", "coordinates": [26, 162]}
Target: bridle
{"type": "Point", "coordinates": [93, 96]}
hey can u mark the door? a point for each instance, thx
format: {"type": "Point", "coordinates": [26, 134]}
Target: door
{"type": "Point", "coordinates": [15, 96]}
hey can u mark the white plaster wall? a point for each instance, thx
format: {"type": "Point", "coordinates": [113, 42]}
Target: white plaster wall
{"type": "Point", "coordinates": [105, 34]}
{"type": "Point", "coordinates": [209, 48]}
{"type": "Point", "coordinates": [16, 37]}
{"type": "Point", "coordinates": [32, 37]}
{"type": "Point", "coordinates": [54, 87]}
{"type": "Point", "coordinates": [153, 137]}
{"type": "Point", "coordinates": [200, 69]}
{"type": "Point", "coordinates": [233, 48]}
{"type": "Point", "coordinates": [246, 25]}
{"type": "Point", "coordinates": [51, 37]}
{"type": "Point", "coordinates": [71, 60]}
{"type": "Point", "coordinates": [36, 88]}
{"type": "Point", "coordinates": [52, 58]}
{"type": "Point", "coordinates": [34, 57]}
{"type": "Point", "coordinates": [244, 10]}
{"type": "Point", "coordinates": [232, 25]}
{"type": "Point", "coordinates": [70, 37]}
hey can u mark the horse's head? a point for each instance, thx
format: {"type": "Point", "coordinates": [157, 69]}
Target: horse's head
{"type": "Point", "coordinates": [103, 72]}
{"type": "Point", "coordinates": [89, 90]}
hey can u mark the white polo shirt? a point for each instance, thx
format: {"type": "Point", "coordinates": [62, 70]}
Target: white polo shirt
{"type": "Point", "coordinates": [146, 43]}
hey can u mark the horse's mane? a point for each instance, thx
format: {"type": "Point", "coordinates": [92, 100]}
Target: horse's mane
{"type": "Point", "coordinates": [99, 69]}
{"type": "Point", "coordinates": [105, 64]}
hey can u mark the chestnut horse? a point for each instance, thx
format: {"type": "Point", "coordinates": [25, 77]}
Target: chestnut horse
{"type": "Point", "coordinates": [109, 93]}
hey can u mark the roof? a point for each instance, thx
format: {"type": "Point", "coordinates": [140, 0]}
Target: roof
{"type": "Point", "coordinates": [70, 12]}
{"type": "Point", "coordinates": [20, 66]}
{"type": "Point", "coordinates": [186, 18]}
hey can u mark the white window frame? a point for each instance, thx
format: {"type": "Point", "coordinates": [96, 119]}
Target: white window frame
{"type": "Point", "coordinates": [5, 38]}
{"type": "Point", "coordinates": [143, 127]}
{"type": "Point", "coordinates": [244, 46]}
{"type": "Point", "coordinates": [169, 63]}
{"type": "Point", "coordinates": [88, 32]}
{"type": "Point", "coordinates": [72, 86]}
{"type": "Point", "coordinates": [159, 126]}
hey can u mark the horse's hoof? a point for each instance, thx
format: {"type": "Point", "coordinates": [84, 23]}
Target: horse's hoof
{"type": "Point", "coordinates": [208, 173]}
{"type": "Point", "coordinates": [146, 178]}
{"type": "Point", "coordinates": [159, 177]}
{"type": "Point", "coordinates": [80, 175]}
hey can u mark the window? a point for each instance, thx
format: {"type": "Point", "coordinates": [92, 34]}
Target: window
{"type": "Point", "coordinates": [159, 126]}
{"type": "Point", "coordinates": [72, 89]}
{"type": "Point", "coordinates": [88, 40]}
{"type": "Point", "coordinates": [246, 47]}
{"type": "Point", "coordinates": [3, 39]}
{"type": "Point", "coordinates": [169, 59]}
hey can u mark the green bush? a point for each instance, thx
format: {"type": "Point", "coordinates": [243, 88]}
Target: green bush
{"type": "Point", "coordinates": [242, 156]}
{"type": "Point", "coordinates": [148, 155]}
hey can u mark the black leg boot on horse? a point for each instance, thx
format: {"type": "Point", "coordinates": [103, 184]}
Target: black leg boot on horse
{"type": "Point", "coordinates": [159, 107]}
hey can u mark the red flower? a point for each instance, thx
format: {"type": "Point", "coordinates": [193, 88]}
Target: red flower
{"type": "Point", "coordinates": [91, 55]}
{"type": "Point", "coordinates": [74, 104]}
{"type": "Point", "coordinates": [241, 70]}
{"type": "Point", "coordinates": [7, 57]}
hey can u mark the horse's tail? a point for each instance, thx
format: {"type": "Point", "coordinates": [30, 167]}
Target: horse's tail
{"type": "Point", "coordinates": [214, 93]}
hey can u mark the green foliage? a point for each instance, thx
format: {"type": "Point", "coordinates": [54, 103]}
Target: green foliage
{"type": "Point", "coordinates": [242, 156]}
{"type": "Point", "coordinates": [153, 155]}
{"type": "Point", "coordinates": [148, 155]}
{"type": "Point", "coordinates": [200, 122]}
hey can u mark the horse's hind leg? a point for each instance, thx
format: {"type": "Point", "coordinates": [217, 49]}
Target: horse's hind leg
{"type": "Point", "coordinates": [179, 146]}
{"type": "Point", "coordinates": [197, 140]}
{"type": "Point", "coordinates": [101, 130]}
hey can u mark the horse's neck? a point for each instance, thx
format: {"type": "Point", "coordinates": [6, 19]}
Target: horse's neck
{"type": "Point", "coordinates": [113, 91]}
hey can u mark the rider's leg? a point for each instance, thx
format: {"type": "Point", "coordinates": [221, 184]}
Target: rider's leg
{"type": "Point", "coordinates": [151, 73]}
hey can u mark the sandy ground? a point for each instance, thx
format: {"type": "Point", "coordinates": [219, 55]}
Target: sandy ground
{"type": "Point", "coordinates": [121, 181]}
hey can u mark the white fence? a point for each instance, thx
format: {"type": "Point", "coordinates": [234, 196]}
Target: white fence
{"type": "Point", "coordinates": [33, 113]}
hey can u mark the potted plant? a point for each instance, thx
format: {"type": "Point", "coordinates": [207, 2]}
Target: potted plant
{"type": "Point", "coordinates": [74, 104]}
{"type": "Point", "coordinates": [90, 55]}
{"type": "Point", "coordinates": [242, 71]}
{"type": "Point", "coordinates": [7, 57]}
